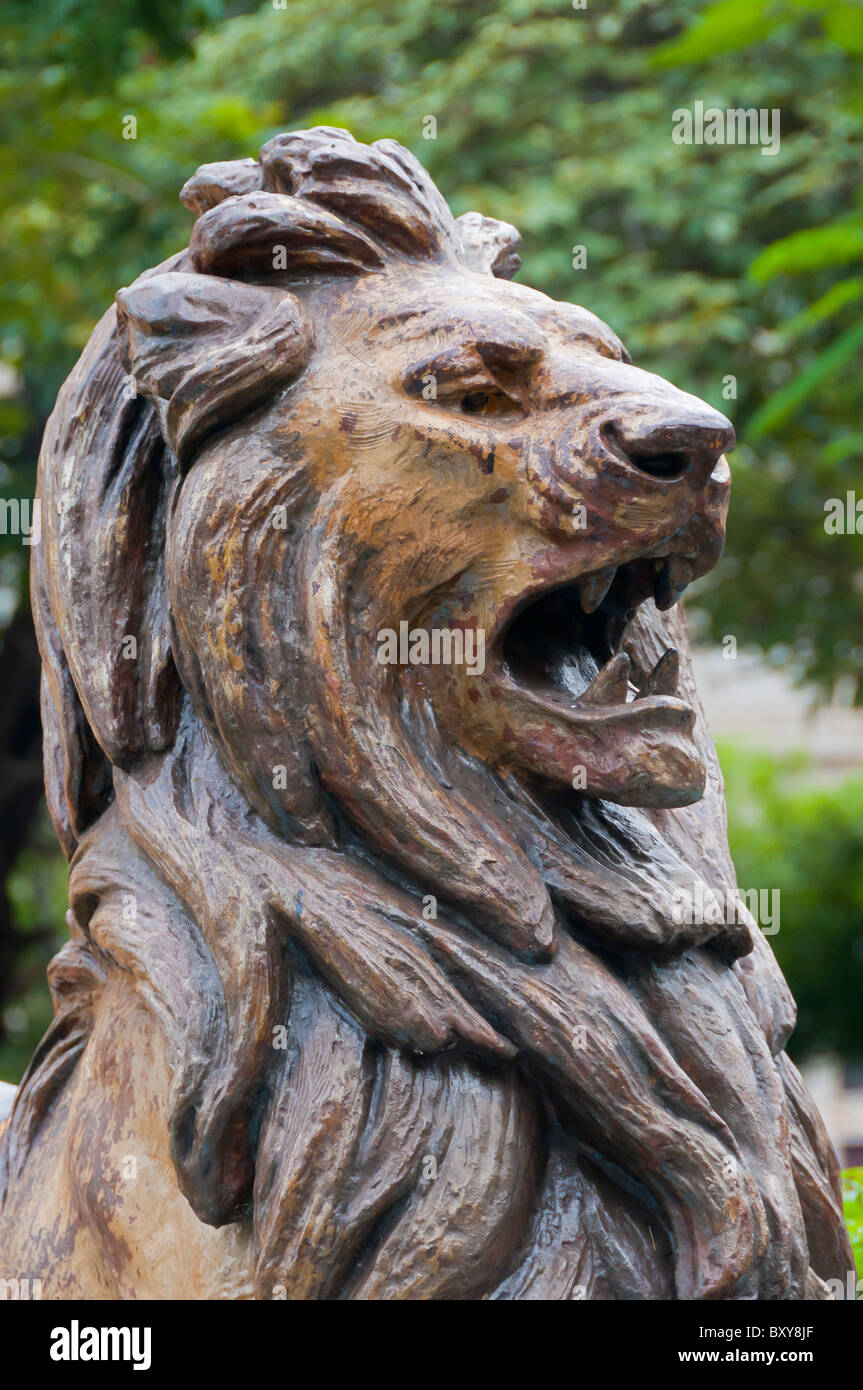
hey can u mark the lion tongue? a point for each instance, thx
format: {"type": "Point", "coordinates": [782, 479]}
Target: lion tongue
{"type": "Point", "coordinates": [611, 685]}
{"type": "Point", "coordinates": [573, 671]}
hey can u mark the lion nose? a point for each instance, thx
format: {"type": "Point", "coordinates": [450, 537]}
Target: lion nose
{"type": "Point", "coordinates": [673, 444]}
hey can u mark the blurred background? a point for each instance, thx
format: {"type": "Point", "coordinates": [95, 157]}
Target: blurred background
{"type": "Point", "coordinates": [739, 275]}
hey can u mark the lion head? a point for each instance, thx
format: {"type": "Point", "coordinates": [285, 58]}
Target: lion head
{"type": "Point", "coordinates": [438, 448]}
{"type": "Point", "coordinates": [327, 431]}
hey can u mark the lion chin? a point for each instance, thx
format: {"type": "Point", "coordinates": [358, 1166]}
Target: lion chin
{"type": "Point", "coordinates": [380, 980]}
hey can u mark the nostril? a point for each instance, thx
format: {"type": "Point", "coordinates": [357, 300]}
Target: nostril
{"type": "Point", "coordinates": [672, 464]}
{"type": "Point", "coordinates": [647, 453]}
{"type": "Point", "coordinates": [671, 449]}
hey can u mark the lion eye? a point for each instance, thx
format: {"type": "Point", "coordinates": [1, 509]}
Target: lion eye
{"type": "Point", "coordinates": [490, 401]}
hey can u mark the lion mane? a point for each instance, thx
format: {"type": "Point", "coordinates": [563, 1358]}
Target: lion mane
{"type": "Point", "coordinates": [269, 832]}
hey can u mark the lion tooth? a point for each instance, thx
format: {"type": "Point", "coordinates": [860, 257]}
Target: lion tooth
{"type": "Point", "coordinates": [611, 685]}
{"type": "Point", "coordinates": [672, 577]}
{"type": "Point", "coordinates": [663, 678]}
{"type": "Point", "coordinates": [592, 588]}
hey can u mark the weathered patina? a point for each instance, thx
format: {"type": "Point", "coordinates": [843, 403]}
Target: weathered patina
{"type": "Point", "coordinates": [378, 984]}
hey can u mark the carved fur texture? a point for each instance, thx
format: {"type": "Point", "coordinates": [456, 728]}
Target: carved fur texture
{"type": "Point", "coordinates": [376, 985]}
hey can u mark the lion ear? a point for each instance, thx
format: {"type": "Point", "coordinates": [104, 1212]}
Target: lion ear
{"type": "Point", "coordinates": [487, 245]}
{"type": "Point", "coordinates": [204, 350]}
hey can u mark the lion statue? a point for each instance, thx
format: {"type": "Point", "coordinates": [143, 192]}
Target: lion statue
{"type": "Point", "coordinates": [377, 983]}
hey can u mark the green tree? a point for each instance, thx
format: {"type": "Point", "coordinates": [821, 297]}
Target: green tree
{"type": "Point", "coordinates": [805, 841]}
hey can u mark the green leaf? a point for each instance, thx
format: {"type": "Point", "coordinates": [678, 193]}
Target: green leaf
{"type": "Point", "coordinates": [778, 409]}
{"type": "Point", "coordinates": [844, 24]}
{"type": "Point", "coordinates": [836, 298]}
{"type": "Point", "coordinates": [810, 249]}
{"type": "Point", "coordinates": [848, 446]}
{"type": "Point", "coordinates": [727, 27]}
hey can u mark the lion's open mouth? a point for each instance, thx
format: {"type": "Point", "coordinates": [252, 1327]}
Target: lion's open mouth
{"type": "Point", "coordinates": [572, 641]}
{"type": "Point", "coordinates": [571, 696]}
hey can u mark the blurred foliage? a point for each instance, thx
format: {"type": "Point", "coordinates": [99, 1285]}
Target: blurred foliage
{"type": "Point", "coordinates": [852, 1191]}
{"type": "Point", "coordinates": [37, 888]}
{"type": "Point", "coordinates": [711, 261]}
{"type": "Point", "coordinates": [806, 841]}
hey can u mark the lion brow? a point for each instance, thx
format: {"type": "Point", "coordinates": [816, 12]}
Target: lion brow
{"type": "Point", "coordinates": [575, 326]}
{"type": "Point", "coordinates": [451, 364]}
{"type": "Point", "coordinates": [507, 337]}
{"type": "Point", "coordinates": [468, 359]}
